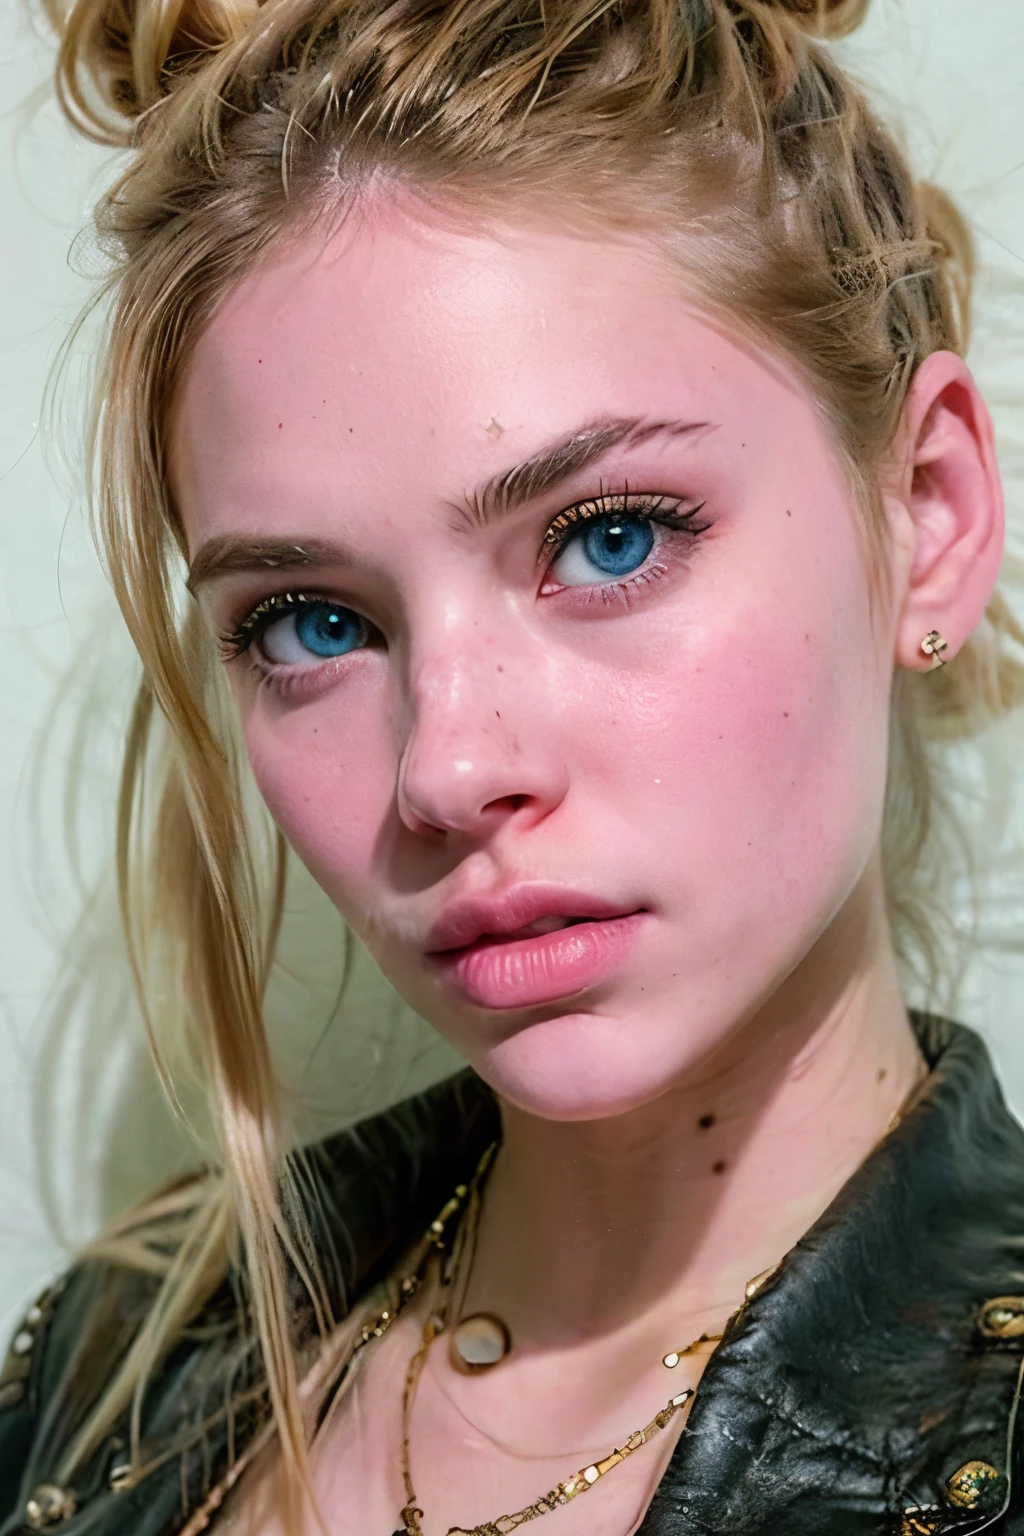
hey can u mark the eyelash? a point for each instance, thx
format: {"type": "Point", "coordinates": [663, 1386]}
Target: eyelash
{"type": "Point", "coordinates": [664, 510]}
{"type": "Point", "coordinates": [278, 606]}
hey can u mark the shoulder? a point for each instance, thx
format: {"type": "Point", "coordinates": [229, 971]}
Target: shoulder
{"type": "Point", "coordinates": [367, 1190]}
{"type": "Point", "coordinates": [69, 1349]}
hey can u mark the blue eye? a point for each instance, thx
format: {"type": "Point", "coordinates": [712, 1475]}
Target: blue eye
{"type": "Point", "coordinates": [313, 631]}
{"type": "Point", "coordinates": [606, 547]}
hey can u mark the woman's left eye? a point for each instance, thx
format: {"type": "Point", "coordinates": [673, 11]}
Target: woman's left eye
{"type": "Point", "coordinates": [605, 542]}
{"type": "Point", "coordinates": [606, 548]}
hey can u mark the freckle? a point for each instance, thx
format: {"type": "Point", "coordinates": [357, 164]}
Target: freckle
{"type": "Point", "coordinates": [706, 1122]}
{"type": "Point", "coordinates": [785, 714]}
{"type": "Point", "coordinates": [500, 667]}
{"type": "Point", "coordinates": [788, 512]}
{"type": "Point", "coordinates": [280, 425]}
{"type": "Point", "coordinates": [881, 1075]}
{"type": "Point", "coordinates": [719, 1167]}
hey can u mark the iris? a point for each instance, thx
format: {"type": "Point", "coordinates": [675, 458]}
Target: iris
{"type": "Point", "coordinates": [328, 631]}
{"type": "Point", "coordinates": [617, 545]}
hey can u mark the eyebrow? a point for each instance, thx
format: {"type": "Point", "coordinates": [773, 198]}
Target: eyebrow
{"type": "Point", "coordinates": [542, 471]}
{"type": "Point", "coordinates": [230, 554]}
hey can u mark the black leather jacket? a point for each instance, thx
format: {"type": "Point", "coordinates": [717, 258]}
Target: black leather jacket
{"type": "Point", "coordinates": [870, 1386]}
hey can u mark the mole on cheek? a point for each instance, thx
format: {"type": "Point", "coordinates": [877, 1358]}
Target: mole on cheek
{"type": "Point", "coordinates": [719, 1167]}
{"type": "Point", "coordinates": [706, 1122]}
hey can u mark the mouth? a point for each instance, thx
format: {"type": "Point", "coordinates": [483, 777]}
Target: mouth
{"type": "Point", "coordinates": [535, 930]}
{"type": "Point", "coordinates": [525, 911]}
{"type": "Point", "coordinates": [531, 945]}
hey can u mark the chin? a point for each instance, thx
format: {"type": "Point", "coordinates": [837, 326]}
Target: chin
{"type": "Point", "coordinates": [581, 1066]}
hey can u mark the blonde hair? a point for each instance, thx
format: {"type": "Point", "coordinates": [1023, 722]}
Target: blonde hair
{"type": "Point", "coordinates": [723, 128]}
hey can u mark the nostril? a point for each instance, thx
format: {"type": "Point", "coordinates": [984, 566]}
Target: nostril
{"type": "Point", "coordinates": [509, 803]}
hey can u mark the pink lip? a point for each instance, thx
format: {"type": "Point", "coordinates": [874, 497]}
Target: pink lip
{"type": "Point", "coordinates": [475, 945]}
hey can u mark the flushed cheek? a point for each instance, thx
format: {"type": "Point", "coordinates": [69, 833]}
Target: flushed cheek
{"type": "Point", "coordinates": [326, 772]}
{"type": "Point", "coordinates": [745, 778]}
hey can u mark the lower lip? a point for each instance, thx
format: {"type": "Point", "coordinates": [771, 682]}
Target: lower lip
{"type": "Point", "coordinates": [523, 973]}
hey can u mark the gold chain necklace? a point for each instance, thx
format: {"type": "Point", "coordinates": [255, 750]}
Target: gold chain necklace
{"type": "Point", "coordinates": [580, 1482]}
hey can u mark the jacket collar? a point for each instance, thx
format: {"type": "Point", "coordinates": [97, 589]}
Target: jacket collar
{"type": "Point", "coordinates": [871, 1385]}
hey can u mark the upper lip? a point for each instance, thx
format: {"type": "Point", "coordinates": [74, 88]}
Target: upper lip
{"type": "Point", "coordinates": [503, 912]}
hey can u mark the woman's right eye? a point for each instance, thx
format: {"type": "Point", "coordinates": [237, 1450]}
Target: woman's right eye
{"type": "Point", "coordinates": [296, 631]}
{"type": "Point", "coordinates": [316, 631]}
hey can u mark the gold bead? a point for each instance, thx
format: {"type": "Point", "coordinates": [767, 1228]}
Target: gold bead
{"type": "Point", "coordinates": [49, 1505]}
{"type": "Point", "coordinates": [970, 1483]}
{"type": "Point", "coordinates": [921, 1522]}
{"type": "Point", "coordinates": [1002, 1318]}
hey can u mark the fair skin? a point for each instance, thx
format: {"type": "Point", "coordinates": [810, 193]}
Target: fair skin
{"type": "Point", "coordinates": [689, 755]}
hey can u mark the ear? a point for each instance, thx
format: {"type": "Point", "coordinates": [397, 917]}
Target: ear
{"type": "Point", "coordinates": [945, 503]}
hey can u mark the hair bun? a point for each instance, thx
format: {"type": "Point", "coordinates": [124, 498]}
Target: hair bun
{"type": "Point", "coordinates": [119, 57]}
{"type": "Point", "coordinates": [824, 18]}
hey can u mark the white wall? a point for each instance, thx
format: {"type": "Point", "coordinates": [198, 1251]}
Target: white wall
{"type": "Point", "coordinates": [82, 1127]}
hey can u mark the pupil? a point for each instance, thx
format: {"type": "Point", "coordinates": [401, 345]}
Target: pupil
{"type": "Point", "coordinates": [329, 631]}
{"type": "Point", "coordinates": [617, 546]}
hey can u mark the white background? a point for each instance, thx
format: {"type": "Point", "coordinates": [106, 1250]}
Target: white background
{"type": "Point", "coordinates": [82, 1126]}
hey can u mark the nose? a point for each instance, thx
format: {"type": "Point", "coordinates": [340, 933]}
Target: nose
{"type": "Point", "coordinates": [482, 747]}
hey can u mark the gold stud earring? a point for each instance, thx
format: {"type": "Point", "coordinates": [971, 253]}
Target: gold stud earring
{"type": "Point", "coordinates": [933, 645]}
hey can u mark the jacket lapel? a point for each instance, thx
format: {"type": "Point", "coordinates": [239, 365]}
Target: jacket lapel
{"type": "Point", "coordinates": [872, 1385]}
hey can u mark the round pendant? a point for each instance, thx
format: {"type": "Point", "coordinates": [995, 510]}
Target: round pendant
{"type": "Point", "coordinates": [478, 1343]}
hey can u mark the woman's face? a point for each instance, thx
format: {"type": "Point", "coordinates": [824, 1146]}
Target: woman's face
{"type": "Point", "coordinates": [554, 641]}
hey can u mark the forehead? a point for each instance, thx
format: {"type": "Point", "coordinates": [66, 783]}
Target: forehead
{"type": "Point", "coordinates": [401, 354]}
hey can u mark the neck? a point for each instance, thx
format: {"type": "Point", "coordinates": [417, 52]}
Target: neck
{"type": "Point", "coordinates": [651, 1222]}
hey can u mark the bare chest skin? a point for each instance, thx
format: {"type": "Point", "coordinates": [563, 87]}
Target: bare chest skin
{"type": "Point", "coordinates": [481, 1447]}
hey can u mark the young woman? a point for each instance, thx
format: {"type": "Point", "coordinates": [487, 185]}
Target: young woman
{"type": "Point", "coordinates": [534, 435]}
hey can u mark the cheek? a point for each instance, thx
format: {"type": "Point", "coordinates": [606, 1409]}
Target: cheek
{"type": "Point", "coordinates": [793, 730]}
{"type": "Point", "coordinates": [744, 745]}
{"type": "Point", "coordinates": [327, 772]}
